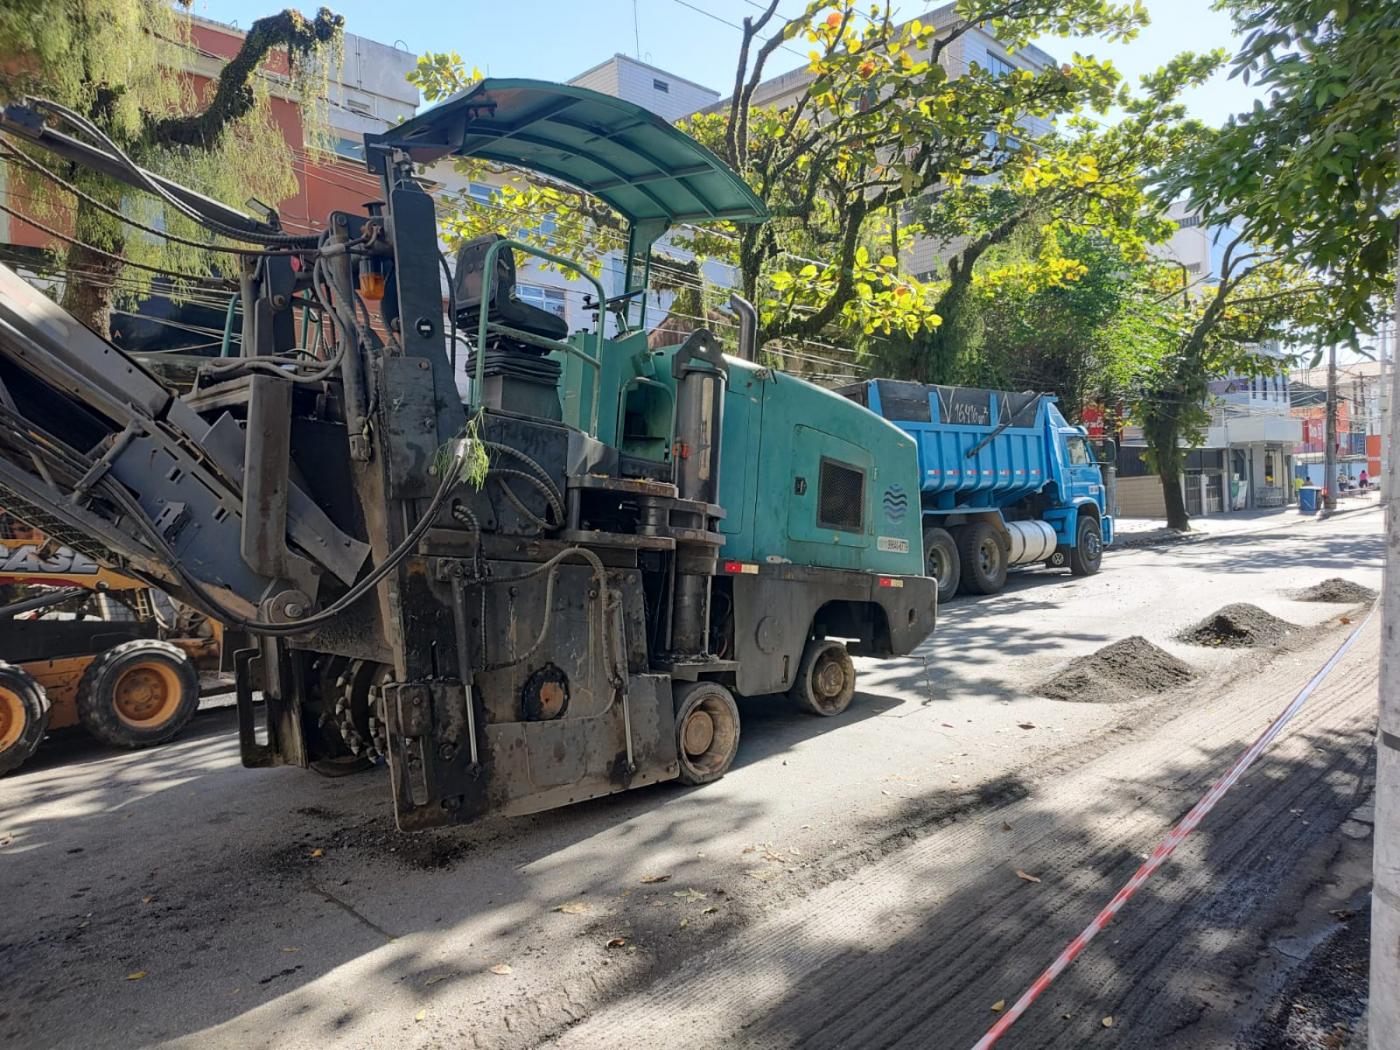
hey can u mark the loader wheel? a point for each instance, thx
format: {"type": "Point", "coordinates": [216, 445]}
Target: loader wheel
{"type": "Point", "coordinates": [1086, 556]}
{"type": "Point", "coordinates": [24, 716]}
{"type": "Point", "coordinates": [983, 553]}
{"type": "Point", "coordinates": [138, 693]}
{"type": "Point", "coordinates": [941, 562]}
{"type": "Point", "coordinates": [707, 731]}
{"type": "Point", "coordinates": [826, 678]}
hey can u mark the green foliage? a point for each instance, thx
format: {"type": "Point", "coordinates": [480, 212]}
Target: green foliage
{"type": "Point", "coordinates": [1077, 336]}
{"type": "Point", "coordinates": [1313, 169]}
{"type": "Point", "coordinates": [878, 125]}
{"type": "Point", "coordinates": [119, 62]}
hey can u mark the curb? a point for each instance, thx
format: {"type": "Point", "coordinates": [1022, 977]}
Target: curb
{"type": "Point", "coordinates": [1169, 538]}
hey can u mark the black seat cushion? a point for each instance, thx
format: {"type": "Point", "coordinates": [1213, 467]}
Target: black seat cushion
{"type": "Point", "coordinates": [503, 307]}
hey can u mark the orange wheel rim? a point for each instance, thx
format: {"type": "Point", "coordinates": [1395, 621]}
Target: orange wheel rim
{"type": "Point", "coordinates": [12, 718]}
{"type": "Point", "coordinates": [146, 694]}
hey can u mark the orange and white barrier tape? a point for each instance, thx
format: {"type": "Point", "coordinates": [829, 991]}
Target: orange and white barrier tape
{"type": "Point", "coordinates": [1165, 847]}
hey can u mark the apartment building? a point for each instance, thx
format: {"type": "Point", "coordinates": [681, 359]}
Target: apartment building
{"type": "Point", "coordinates": [669, 96]}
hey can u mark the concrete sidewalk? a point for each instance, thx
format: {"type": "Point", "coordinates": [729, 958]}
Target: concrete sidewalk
{"type": "Point", "coordinates": [1152, 532]}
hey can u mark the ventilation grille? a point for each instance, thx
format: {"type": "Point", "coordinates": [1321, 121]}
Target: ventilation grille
{"type": "Point", "coordinates": [841, 497]}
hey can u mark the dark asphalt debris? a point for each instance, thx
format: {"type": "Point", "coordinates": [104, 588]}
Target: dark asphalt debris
{"type": "Point", "coordinates": [1122, 671]}
{"type": "Point", "coordinates": [1238, 626]}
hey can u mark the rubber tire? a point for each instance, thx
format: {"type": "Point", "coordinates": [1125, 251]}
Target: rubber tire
{"type": "Point", "coordinates": [942, 541]}
{"type": "Point", "coordinates": [976, 580]}
{"type": "Point", "coordinates": [36, 716]}
{"type": "Point", "coordinates": [802, 689]}
{"type": "Point", "coordinates": [98, 713]}
{"type": "Point", "coordinates": [687, 696]}
{"type": "Point", "coordinates": [1087, 538]}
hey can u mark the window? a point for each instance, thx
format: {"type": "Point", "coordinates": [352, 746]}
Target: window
{"type": "Point", "coordinates": [362, 106]}
{"type": "Point", "coordinates": [481, 192]}
{"type": "Point", "coordinates": [1188, 222]}
{"type": "Point", "coordinates": [997, 66]}
{"type": "Point", "coordinates": [841, 497]}
{"type": "Point", "coordinates": [1079, 454]}
{"type": "Point", "coordinates": [661, 86]}
{"type": "Point", "coordinates": [549, 299]}
{"type": "Point", "coordinates": [1193, 268]}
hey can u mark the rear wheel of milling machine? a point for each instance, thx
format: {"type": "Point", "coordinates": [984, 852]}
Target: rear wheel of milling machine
{"type": "Point", "coordinates": [826, 678]}
{"type": "Point", "coordinates": [707, 731]}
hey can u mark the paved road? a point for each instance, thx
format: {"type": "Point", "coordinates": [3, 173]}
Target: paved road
{"type": "Point", "coordinates": [851, 882]}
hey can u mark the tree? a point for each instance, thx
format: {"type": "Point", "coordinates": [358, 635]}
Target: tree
{"type": "Point", "coordinates": [1314, 169]}
{"type": "Point", "coordinates": [877, 125]}
{"type": "Point", "coordinates": [1087, 179]}
{"type": "Point", "coordinates": [1207, 331]}
{"type": "Point", "coordinates": [119, 62]}
{"type": "Point", "coordinates": [1057, 312]}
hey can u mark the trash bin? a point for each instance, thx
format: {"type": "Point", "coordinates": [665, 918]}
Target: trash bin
{"type": "Point", "coordinates": [1308, 498]}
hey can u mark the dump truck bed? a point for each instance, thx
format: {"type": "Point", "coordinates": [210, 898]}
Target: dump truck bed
{"type": "Point", "coordinates": [975, 447]}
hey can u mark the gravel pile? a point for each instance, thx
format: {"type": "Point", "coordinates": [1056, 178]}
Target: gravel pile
{"type": "Point", "coordinates": [1122, 671]}
{"type": "Point", "coordinates": [1338, 590]}
{"type": "Point", "coordinates": [1238, 626]}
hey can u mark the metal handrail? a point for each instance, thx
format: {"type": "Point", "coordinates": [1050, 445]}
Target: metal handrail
{"type": "Point", "coordinates": [485, 325]}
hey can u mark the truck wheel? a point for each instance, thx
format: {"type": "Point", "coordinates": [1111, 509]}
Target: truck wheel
{"type": "Point", "coordinates": [24, 716]}
{"type": "Point", "coordinates": [707, 731]}
{"type": "Point", "coordinates": [826, 678]}
{"type": "Point", "coordinates": [138, 693]}
{"type": "Point", "coordinates": [983, 554]}
{"type": "Point", "coordinates": [1086, 556]}
{"type": "Point", "coordinates": [941, 562]}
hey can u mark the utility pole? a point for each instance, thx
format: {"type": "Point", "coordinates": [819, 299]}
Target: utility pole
{"type": "Point", "coordinates": [1388, 335]}
{"type": "Point", "coordinates": [1329, 462]}
{"type": "Point", "coordinates": [1384, 1007]}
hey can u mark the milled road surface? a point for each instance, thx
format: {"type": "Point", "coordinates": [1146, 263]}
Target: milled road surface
{"type": "Point", "coordinates": [852, 882]}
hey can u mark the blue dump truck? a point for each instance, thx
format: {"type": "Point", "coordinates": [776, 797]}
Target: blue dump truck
{"type": "Point", "coordinates": [1005, 480]}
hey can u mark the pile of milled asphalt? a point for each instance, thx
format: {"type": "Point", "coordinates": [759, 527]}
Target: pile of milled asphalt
{"type": "Point", "coordinates": [1338, 590]}
{"type": "Point", "coordinates": [1122, 671]}
{"type": "Point", "coordinates": [1238, 626]}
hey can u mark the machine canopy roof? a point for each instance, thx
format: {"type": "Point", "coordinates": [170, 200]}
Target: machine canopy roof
{"type": "Point", "coordinates": [641, 166]}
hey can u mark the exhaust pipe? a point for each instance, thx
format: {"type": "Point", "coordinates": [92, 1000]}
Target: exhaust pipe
{"type": "Point", "coordinates": [748, 326]}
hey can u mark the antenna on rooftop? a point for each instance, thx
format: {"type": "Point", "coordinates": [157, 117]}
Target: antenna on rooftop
{"type": "Point", "coordinates": [636, 32]}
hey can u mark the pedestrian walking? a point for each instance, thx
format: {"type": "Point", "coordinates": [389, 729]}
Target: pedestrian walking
{"type": "Point", "coordinates": [1364, 481]}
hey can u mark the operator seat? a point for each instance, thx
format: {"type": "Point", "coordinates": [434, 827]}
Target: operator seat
{"type": "Point", "coordinates": [517, 376]}
{"type": "Point", "coordinates": [503, 307]}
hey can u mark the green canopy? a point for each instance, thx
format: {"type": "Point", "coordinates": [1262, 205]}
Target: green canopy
{"type": "Point", "coordinates": [627, 156]}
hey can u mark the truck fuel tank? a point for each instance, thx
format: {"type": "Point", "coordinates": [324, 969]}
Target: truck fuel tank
{"type": "Point", "coordinates": [1031, 541]}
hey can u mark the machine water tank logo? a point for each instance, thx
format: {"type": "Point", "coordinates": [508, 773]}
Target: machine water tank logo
{"type": "Point", "coordinates": [896, 503]}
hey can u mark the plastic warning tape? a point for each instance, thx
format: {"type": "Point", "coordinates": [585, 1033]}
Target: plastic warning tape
{"type": "Point", "coordinates": [1166, 847]}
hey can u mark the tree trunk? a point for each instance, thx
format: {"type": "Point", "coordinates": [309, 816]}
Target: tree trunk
{"type": "Point", "coordinates": [1175, 500]}
{"type": "Point", "coordinates": [88, 292]}
{"type": "Point", "coordinates": [91, 277]}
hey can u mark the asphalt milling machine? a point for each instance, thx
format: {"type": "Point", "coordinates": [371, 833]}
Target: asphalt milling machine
{"type": "Point", "coordinates": [549, 591]}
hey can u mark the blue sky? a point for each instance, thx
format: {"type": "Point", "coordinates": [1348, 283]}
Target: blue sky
{"type": "Point", "coordinates": [557, 39]}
